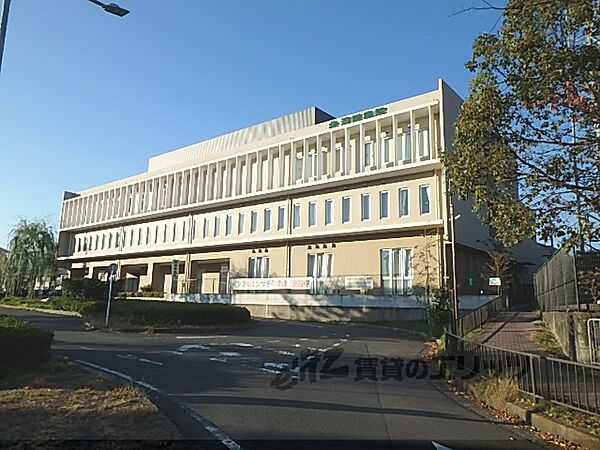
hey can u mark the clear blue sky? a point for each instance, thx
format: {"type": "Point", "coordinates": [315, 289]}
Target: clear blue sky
{"type": "Point", "coordinates": [87, 97]}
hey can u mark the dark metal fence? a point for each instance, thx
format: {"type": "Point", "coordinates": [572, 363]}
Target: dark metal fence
{"type": "Point", "coordinates": [565, 281]}
{"type": "Point", "coordinates": [479, 316]}
{"type": "Point", "coordinates": [567, 383]}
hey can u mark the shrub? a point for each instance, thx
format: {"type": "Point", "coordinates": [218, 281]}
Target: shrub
{"type": "Point", "coordinates": [146, 288]}
{"type": "Point", "coordinates": [150, 312]}
{"type": "Point", "coordinates": [439, 311]}
{"type": "Point", "coordinates": [84, 288]}
{"type": "Point", "coordinates": [153, 294]}
{"type": "Point", "coordinates": [23, 344]}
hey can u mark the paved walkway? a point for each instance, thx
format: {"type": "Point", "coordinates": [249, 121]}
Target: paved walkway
{"type": "Point", "coordinates": [512, 330]}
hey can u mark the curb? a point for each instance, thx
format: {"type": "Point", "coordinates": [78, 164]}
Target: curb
{"type": "Point", "coordinates": [536, 419]}
{"type": "Point", "coordinates": [56, 312]}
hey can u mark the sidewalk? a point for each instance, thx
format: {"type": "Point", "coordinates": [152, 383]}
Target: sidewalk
{"type": "Point", "coordinates": [512, 330]}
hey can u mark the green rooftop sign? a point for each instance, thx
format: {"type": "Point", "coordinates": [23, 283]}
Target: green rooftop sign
{"type": "Point", "coordinates": [357, 117]}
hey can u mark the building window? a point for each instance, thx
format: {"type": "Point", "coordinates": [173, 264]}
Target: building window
{"type": "Point", "coordinates": [299, 162]}
{"type": "Point", "coordinates": [228, 224]}
{"type": "Point", "coordinates": [258, 267]}
{"type": "Point", "coordinates": [369, 154]}
{"type": "Point", "coordinates": [312, 214]}
{"type": "Point", "coordinates": [206, 230]}
{"type": "Point", "coordinates": [183, 231]}
{"type": "Point", "coordinates": [174, 236]}
{"type": "Point", "coordinates": [241, 220]}
{"type": "Point", "coordinates": [324, 161]}
{"type": "Point", "coordinates": [253, 222]}
{"type": "Point", "coordinates": [139, 237]}
{"type": "Point", "coordinates": [397, 270]}
{"type": "Point", "coordinates": [320, 268]}
{"type": "Point", "coordinates": [384, 205]}
{"type": "Point", "coordinates": [164, 233]}
{"type": "Point", "coordinates": [97, 239]}
{"type": "Point", "coordinates": [110, 237]}
{"type": "Point", "coordinates": [423, 143]}
{"type": "Point", "coordinates": [103, 241]}
{"type": "Point", "coordinates": [156, 234]}
{"type": "Point", "coordinates": [424, 199]}
{"type": "Point", "coordinates": [365, 207]}
{"type": "Point", "coordinates": [147, 235]}
{"type": "Point", "coordinates": [267, 220]}
{"type": "Point", "coordinates": [404, 148]}
{"type": "Point", "coordinates": [337, 159]}
{"type": "Point", "coordinates": [217, 230]}
{"type": "Point", "coordinates": [312, 164]}
{"type": "Point", "coordinates": [346, 217]}
{"type": "Point", "coordinates": [194, 229]}
{"type": "Point", "coordinates": [297, 215]}
{"type": "Point", "coordinates": [328, 211]}
{"type": "Point", "coordinates": [130, 237]}
{"type": "Point", "coordinates": [403, 201]}
{"type": "Point", "coordinates": [281, 218]}
{"type": "Point", "coordinates": [386, 150]}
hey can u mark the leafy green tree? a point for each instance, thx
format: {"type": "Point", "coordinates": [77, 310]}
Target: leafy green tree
{"type": "Point", "coordinates": [526, 147]}
{"type": "Point", "coordinates": [31, 256]}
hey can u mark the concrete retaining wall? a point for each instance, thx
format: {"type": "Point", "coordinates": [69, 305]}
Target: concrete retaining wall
{"type": "Point", "coordinates": [570, 328]}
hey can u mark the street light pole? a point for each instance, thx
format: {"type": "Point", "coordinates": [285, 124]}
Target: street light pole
{"type": "Point", "coordinates": [111, 8]}
{"type": "Point", "coordinates": [3, 25]}
{"type": "Point", "coordinates": [455, 305]}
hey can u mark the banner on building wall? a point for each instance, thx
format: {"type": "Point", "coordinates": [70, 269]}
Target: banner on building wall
{"type": "Point", "coordinates": [270, 284]}
{"type": "Point", "coordinates": [358, 282]}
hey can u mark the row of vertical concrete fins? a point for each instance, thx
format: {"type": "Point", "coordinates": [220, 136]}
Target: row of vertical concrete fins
{"type": "Point", "coordinates": [228, 143]}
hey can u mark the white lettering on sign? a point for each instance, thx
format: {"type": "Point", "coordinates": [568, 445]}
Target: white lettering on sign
{"type": "Point", "coordinates": [358, 282]}
{"type": "Point", "coordinates": [495, 281]}
{"type": "Point", "coordinates": [270, 284]}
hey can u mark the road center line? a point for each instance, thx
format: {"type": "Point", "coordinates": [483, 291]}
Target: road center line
{"type": "Point", "coordinates": [208, 426]}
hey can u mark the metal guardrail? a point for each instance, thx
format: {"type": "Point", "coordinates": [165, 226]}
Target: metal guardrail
{"type": "Point", "coordinates": [477, 317]}
{"type": "Point", "coordinates": [567, 383]}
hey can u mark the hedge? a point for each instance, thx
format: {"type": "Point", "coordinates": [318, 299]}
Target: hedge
{"type": "Point", "coordinates": [151, 312]}
{"type": "Point", "coordinates": [84, 288]}
{"type": "Point", "coordinates": [22, 344]}
{"type": "Point", "coordinates": [60, 303]}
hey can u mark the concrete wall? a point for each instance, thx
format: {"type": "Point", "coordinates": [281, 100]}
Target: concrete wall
{"type": "Point", "coordinates": [570, 329]}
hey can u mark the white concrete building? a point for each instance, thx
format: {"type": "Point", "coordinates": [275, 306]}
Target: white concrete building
{"type": "Point", "coordinates": [354, 206]}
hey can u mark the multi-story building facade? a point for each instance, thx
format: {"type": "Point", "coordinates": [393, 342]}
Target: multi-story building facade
{"type": "Point", "coordinates": [356, 204]}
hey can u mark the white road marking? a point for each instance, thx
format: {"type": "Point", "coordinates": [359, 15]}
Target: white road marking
{"type": "Point", "coordinates": [208, 426]}
{"type": "Point", "coordinates": [268, 370]}
{"type": "Point", "coordinates": [214, 358]}
{"type": "Point", "coordinates": [186, 347]}
{"type": "Point", "coordinates": [84, 348]}
{"type": "Point", "coordinates": [274, 341]}
{"type": "Point", "coordinates": [174, 352]}
{"type": "Point", "coordinates": [144, 360]}
{"type": "Point", "coordinates": [274, 365]}
{"type": "Point", "coordinates": [199, 337]}
{"type": "Point", "coordinates": [229, 354]}
{"type": "Point", "coordinates": [241, 344]}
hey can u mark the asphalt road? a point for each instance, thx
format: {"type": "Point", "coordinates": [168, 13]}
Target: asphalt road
{"type": "Point", "coordinates": [240, 388]}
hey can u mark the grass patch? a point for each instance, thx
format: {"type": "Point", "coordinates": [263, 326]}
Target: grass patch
{"type": "Point", "coordinates": [60, 401]}
{"type": "Point", "coordinates": [548, 342]}
{"type": "Point", "coordinates": [500, 390]}
{"type": "Point", "coordinates": [588, 422]}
